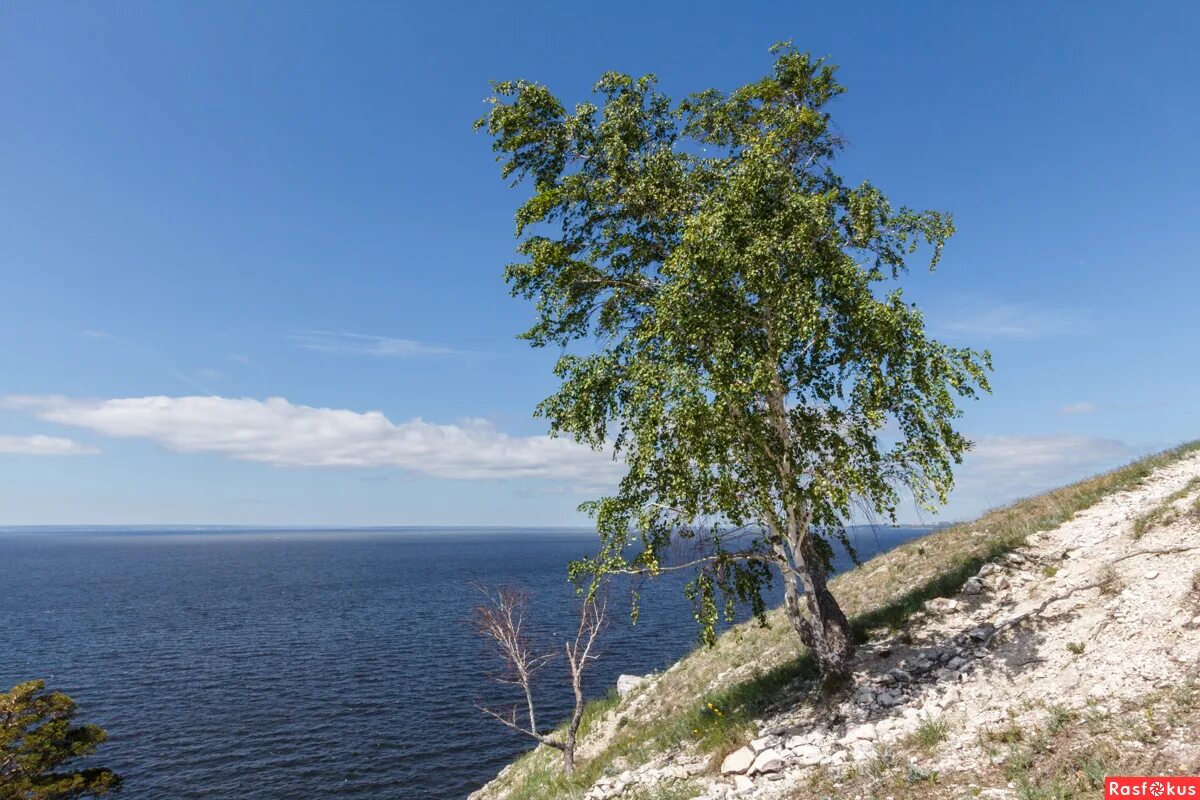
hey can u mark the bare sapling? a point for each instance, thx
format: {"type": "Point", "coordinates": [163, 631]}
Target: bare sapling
{"type": "Point", "coordinates": [501, 621]}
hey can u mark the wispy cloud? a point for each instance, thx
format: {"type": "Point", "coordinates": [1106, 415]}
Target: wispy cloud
{"type": "Point", "coordinates": [39, 445]}
{"type": "Point", "coordinates": [1001, 469]}
{"type": "Point", "coordinates": [1084, 407]}
{"type": "Point", "coordinates": [1020, 321]}
{"type": "Point", "coordinates": [275, 431]}
{"type": "Point", "coordinates": [151, 356]}
{"type": "Point", "coordinates": [365, 345]}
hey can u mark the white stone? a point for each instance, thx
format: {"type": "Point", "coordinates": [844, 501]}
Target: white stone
{"type": "Point", "coordinates": [941, 605]}
{"type": "Point", "coordinates": [808, 755]}
{"type": "Point", "coordinates": [628, 684]}
{"type": "Point", "coordinates": [758, 745]}
{"type": "Point", "coordinates": [739, 760]}
{"type": "Point", "coordinates": [769, 760]}
{"type": "Point", "coordinates": [862, 751]}
{"type": "Point", "coordinates": [865, 731]}
{"type": "Point", "coordinates": [742, 783]}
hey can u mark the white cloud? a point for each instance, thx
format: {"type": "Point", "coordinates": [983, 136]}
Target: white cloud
{"type": "Point", "coordinates": [1001, 469]}
{"type": "Point", "coordinates": [1077, 408]}
{"type": "Point", "coordinates": [275, 431]}
{"type": "Point", "coordinates": [1020, 321]}
{"type": "Point", "coordinates": [39, 445]}
{"type": "Point", "coordinates": [1022, 454]}
{"type": "Point", "coordinates": [362, 344]}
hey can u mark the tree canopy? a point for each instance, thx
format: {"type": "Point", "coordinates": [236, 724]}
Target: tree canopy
{"type": "Point", "coordinates": [37, 739]}
{"type": "Point", "coordinates": [731, 327]}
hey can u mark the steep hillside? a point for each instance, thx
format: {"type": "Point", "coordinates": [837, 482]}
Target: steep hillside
{"type": "Point", "coordinates": [1026, 654]}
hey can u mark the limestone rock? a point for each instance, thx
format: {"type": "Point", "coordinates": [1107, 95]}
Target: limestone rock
{"type": "Point", "coordinates": [941, 605]}
{"type": "Point", "coordinates": [764, 743]}
{"type": "Point", "coordinates": [807, 755]}
{"type": "Point", "coordinates": [769, 760]}
{"type": "Point", "coordinates": [862, 751]}
{"type": "Point", "coordinates": [864, 696]}
{"type": "Point", "coordinates": [628, 684]}
{"type": "Point", "coordinates": [865, 731]}
{"type": "Point", "coordinates": [983, 632]}
{"type": "Point", "coordinates": [738, 761]}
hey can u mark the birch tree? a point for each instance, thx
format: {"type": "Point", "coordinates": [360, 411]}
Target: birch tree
{"type": "Point", "coordinates": [730, 324]}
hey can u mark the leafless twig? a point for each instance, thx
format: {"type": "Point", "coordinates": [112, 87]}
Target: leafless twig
{"type": "Point", "coordinates": [501, 621]}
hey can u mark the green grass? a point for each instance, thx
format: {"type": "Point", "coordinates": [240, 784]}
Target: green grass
{"type": "Point", "coordinates": [1064, 761]}
{"type": "Point", "coordinates": [767, 668]}
{"type": "Point", "coordinates": [931, 732]}
{"type": "Point", "coordinates": [1065, 756]}
{"type": "Point", "coordinates": [1076, 647]}
{"type": "Point", "coordinates": [1060, 717]}
{"type": "Point", "coordinates": [1166, 512]}
{"type": "Point", "coordinates": [684, 791]}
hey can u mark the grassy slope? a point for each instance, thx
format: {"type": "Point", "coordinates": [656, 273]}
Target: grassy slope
{"type": "Point", "coordinates": [713, 697]}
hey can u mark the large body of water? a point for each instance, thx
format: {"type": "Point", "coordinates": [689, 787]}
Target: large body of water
{"type": "Point", "coordinates": [291, 665]}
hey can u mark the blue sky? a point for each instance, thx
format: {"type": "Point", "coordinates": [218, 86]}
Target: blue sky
{"type": "Point", "coordinates": [205, 206]}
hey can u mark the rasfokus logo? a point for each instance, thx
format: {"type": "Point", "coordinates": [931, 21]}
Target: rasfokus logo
{"type": "Point", "coordinates": [1164, 786]}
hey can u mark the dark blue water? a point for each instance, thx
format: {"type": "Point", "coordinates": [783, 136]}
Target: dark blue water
{"type": "Point", "coordinates": [262, 665]}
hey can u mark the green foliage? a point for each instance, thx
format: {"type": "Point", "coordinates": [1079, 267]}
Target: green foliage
{"type": "Point", "coordinates": [1076, 648]}
{"type": "Point", "coordinates": [37, 739]}
{"type": "Point", "coordinates": [1166, 511]}
{"type": "Point", "coordinates": [727, 309]}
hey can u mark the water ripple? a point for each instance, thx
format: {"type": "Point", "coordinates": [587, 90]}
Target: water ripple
{"type": "Point", "coordinates": [287, 666]}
